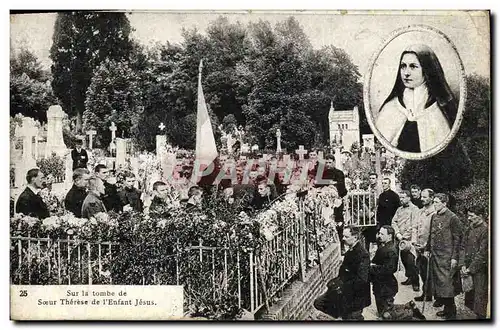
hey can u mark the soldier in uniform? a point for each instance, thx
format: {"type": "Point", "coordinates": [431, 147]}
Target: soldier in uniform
{"type": "Point", "coordinates": [443, 248]}
{"type": "Point", "coordinates": [474, 262]}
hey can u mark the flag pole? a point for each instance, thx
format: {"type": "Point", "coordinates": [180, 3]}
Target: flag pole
{"type": "Point", "coordinates": [200, 68]}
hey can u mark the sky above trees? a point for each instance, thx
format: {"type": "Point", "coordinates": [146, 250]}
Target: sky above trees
{"type": "Point", "coordinates": [358, 34]}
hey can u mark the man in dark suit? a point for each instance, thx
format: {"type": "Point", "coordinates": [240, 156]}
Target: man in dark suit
{"type": "Point", "coordinates": [263, 196]}
{"type": "Point", "coordinates": [416, 196]}
{"type": "Point", "coordinates": [76, 195]}
{"type": "Point", "coordinates": [130, 197]}
{"type": "Point", "coordinates": [382, 269]}
{"type": "Point", "coordinates": [29, 202]}
{"type": "Point", "coordinates": [158, 202]}
{"type": "Point", "coordinates": [326, 174]}
{"type": "Point", "coordinates": [110, 197]}
{"type": "Point", "coordinates": [388, 203]}
{"type": "Point", "coordinates": [79, 156]}
{"type": "Point", "coordinates": [354, 274]}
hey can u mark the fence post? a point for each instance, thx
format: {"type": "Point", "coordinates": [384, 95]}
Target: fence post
{"type": "Point", "coordinates": [59, 261]}
{"type": "Point", "coordinates": [69, 262]}
{"type": "Point", "coordinates": [20, 256]}
{"type": "Point", "coordinates": [177, 261]}
{"type": "Point", "coordinates": [89, 264]}
{"type": "Point", "coordinates": [302, 263]}
{"type": "Point", "coordinates": [252, 302]}
{"type": "Point", "coordinates": [239, 279]}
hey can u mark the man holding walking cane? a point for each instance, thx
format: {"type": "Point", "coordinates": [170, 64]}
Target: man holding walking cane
{"type": "Point", "coordinates": [423, 224]}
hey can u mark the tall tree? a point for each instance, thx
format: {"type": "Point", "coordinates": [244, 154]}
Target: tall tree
{"type": "Point", "coordinates": [113, 96]}
{"type": "Point", "coordinates": [81, 41]}
{"type": "Point", "coordinates": [30, 91]}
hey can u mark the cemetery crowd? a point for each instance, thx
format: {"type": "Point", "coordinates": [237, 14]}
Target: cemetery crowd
{"type": "Point", "coordinates": [447, 254]}
{"type": "Point", "coordinates": [450, 256]}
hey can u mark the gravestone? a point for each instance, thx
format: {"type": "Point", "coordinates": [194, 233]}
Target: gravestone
{"type": "Point", "coordinates": [27, 131]}
{"type": "Point", "coordinates": [121, 152]}
{"type": "Point", "coordinates": [369, 141]}
{"type": "Point", "coordinates": [37, 146]}
{"type": "Point", "coordinates": [161, 144]}
{"type": "Point", "coordinates": [68, 170]}
{"type": "Point", "coordinates": [338, 158]}
{"type": "Point", "coordinates": [112, 144]}
{"type": "Point", "coordinates": [301, 152]}
{"type": "Point", "coordinates": [55, 141]}
{"type": "Point", "coordinates": [278, 140]}
{"type": "Point", "coordinates": [91, 134]}
{"type": "Point", "coordinates": [245, 148]}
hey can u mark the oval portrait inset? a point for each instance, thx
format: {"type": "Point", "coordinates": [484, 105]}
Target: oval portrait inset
{"type": "Point", "coordinates": [415, 91]}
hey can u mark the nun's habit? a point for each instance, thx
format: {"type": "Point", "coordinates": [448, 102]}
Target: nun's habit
{"type": "Point", "coordinates": [416, 120]}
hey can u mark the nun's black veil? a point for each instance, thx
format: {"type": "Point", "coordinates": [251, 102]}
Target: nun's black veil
{"type": "Point", "coordinates": [434, 78]}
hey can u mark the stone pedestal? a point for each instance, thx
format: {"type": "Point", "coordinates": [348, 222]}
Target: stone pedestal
{"type": "Point", "coordinates": [161, 144]}
{"type": "Point", "coordinates": [55, 141]}
{"type": "Point", "coordinates": [27, 131]}
{"type": "Point", "coordinates": [121, 152]}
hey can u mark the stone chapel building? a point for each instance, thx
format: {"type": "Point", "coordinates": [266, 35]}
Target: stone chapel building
{"type": "Point", "coordinates": [344, 127]}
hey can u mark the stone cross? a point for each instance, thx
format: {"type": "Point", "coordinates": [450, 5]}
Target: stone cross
{"type": "Point", "coordinates": [113, 128]}
{"type": "Point", "coordinates": [161, 127]}
{"type": "Point", "coordinates": [301, 152]}
{"type": "Point", "coordinates": [358, 182]}
{"type": "Point", "coordinates": [278, 140]}
{"type": "Point", "coordinates": [91, 134]}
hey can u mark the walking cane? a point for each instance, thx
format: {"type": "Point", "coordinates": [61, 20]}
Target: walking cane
{"type": "Point", "coordinates": [426, 283]}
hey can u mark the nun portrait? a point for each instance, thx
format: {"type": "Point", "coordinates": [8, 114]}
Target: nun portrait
{"type": "Point", "coordinates": [420, 111]}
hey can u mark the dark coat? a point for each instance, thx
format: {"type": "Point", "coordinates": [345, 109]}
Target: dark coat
{"type": "Point", "coordinates": [354, 274]}
{"type": "Point", "coordinates": [156, 204]}
{"type": "Point", "coordinates": [382, 273]}
{"type": "Point", "coordinates": [258, 202]}
{"type": "Point", "coordinates": [31, 204]}
{"type": "Point", "coordinates": [332, 174]}
{"type": "Point", "coordinates": [444, 245]}
{"type": "Point", "coordinates": [92, 205]}
{"type": "Point", "coordinates": [331, 302]}
{"type": "Point", "coordinates": [80, 159]}
{"type": "Point", "coordinates": [388, 203]}
{"type": "Point", "coordinates": [131, 197]}
{"type": "Point", "coordinates": [74, 200]}
{"type": "Point", "coordinates": [474, 256]}
{"type": "Point", "coordinates": [417, 202]}
{"type": "Point", "coordinates": [111, 199]}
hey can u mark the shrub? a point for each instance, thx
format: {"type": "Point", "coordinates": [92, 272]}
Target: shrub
{"type": "Point", "coordinates": [52, 166]}
{"type": "Point", "coordinates": [476, 194]}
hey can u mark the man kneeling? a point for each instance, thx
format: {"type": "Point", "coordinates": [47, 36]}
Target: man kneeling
{"type": "Point", "coordinates": [382, 269]}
